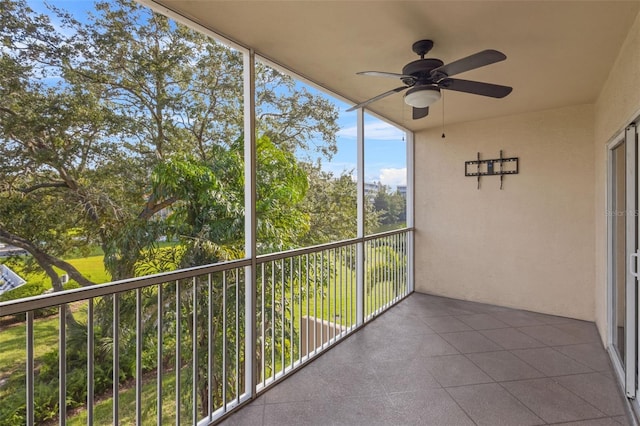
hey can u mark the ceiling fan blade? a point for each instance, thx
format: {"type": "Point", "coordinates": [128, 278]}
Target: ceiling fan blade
{"type": "Point", "coordinates": [475, 87]}
{"type": "Point", "coordinates": [377, 98]}
{"type": "Point", "coordinates": [420, 112]}
{"type": "Point", "coordinates": [403, 77]}
{"type": "Point", "coordinates": [477, 60]}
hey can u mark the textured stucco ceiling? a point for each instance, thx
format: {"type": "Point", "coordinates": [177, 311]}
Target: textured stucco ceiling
{"type": "Point", "coordinates": [559, 53]}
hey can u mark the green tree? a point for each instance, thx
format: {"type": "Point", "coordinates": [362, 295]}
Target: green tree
{"type": "Point", "coordinates": [392, 207]}
{"type": "Point", "coordinates": [332, 203]}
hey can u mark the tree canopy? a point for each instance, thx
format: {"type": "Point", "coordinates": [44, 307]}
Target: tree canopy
{"type": "Point", "coordinates": [124, 127]}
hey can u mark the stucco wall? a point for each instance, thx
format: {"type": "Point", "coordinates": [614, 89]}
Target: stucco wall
{"type": "Point", "coordinates": [617, 105]}
{"type": "Point", "coordinates": [528, 246]}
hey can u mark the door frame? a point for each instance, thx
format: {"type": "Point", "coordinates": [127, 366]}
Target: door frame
{"type": "Point", "coordinates": [627, 371]}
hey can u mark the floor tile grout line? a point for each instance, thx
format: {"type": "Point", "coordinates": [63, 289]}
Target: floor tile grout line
{"type": "Point", "coordinates": [564, 387]}
{"type": "Point", "coordinates": [579, 342]}
{"type": "Point", "coordinates": [474, 352]}
{"type": "Point", "coordinates": [580, 362]}
{"type": "Point", "coordinates": [569, 390]}
{"type": "Point", "coordinates": [478, 329]}
{"type": "Point", "coordinates": [517, 399]}
{"type": "Point", "coordinates": [499, 381]}
{"type": "Point", "coordinates": [522, 402]}
{"type": "Point", "coordinates": [586, 420]}
{"type": "Point", "coordinates": [459, 406]}
{"type": "Point", "coordinates": [556, 375]}
{"type": "Point", "coordinates": [264, 408]}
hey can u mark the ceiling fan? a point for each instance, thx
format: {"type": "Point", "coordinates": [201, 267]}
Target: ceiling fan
{"type": "Point", "coordinates": [425, 77]}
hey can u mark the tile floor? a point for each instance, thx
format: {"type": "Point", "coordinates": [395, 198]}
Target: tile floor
{"type": "Point", "coordinates": [437, 361]}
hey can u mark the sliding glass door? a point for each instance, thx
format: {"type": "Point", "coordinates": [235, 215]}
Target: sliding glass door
{"type": "Point", "coordinates": [623, 257]}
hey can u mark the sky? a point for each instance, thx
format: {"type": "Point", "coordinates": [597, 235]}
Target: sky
{"type": "Point", "coordinates": [385, 147]}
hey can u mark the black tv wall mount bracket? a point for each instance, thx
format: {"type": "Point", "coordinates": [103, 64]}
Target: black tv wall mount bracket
{"type": "Point", "coordinates": [493, 167]}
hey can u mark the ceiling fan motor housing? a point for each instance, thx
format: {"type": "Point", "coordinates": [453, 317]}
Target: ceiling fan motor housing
{"type": "Point", "coordinates": [421, 69]}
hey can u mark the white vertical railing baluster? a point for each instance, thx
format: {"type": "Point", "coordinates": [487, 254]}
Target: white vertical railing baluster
{"type": "Point", "coordinates": [380, 267]}
{"type": "Point", "coordinates": [376, 244]}
{"type": "Point", "coordinates": [385, 274]}
{"type": "Point", "coordinates": [224, 341]}
{"type": "Point", "coordinates": [341, 285]}
{"type": "Point", "coordinates": [396, 257]}
{"type": "Point", "coordinates": [387, 260]}
{"type": "Point", "coordinates": [139, 334]}
{"type": "Point", "coordinates": [308, 295]}
{"type": "Point", "coordinates": [315, 303]}
{"type": "Point", "coordinates": [263, 354]}
{"type": "Point", "coordinates": [299, 272]}
{"type": "Point", "coordinates": [29, 373]}
{"type": "Point", "coordinates": [116, 357]}
{"type": "Point", "coordinates": [349, 288]}
{"type": "Point", "coordinates": [408, 270]}
{"type": "Point", "coordinates": [237, 274]}
{"type": "Point", "coordinates": [322, 299]}
{"type": "Point", "coordinates": [194, 352]}
{"type": "Point", "coordinates": [62, 367]}
{"type": "Point", "coordinates": [329, 274]}
{"type": "Point", "coordinates": [379, 281]}
{"type": "Point", "coordinates": [401, 261]}
{"type": "Point", "coordinates": [178, 354]}
{"type": "Point", "coordinates": [402, 258]}
{"type": "Point", "coordinates": [361, 283]}
{"type": "Point", "coordinates": [210, 347]}
{"type": "Point", "coordinates": [292, 311]}
{"type": "Point", "coordinates": [273, 319]}
{"type": "Point", "coordinates": [90, 365]}
{"type": "Point", "coordinates": [283, 316]}
{"type": "Point", "coordinates": [159, 360]}
{"type": "Point", "coordinates": [405, 264]}
{"type": "Point", "coordinates": [334, 273]}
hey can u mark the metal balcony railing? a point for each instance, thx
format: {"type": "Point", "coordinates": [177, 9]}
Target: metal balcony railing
{"type": "Point", "coordinates": [180, 348]}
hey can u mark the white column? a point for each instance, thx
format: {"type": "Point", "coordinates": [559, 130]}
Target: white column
{"type": "Point", "coordinates": [361, 219]}
{"type": "Point", "coordinates": [250, 219]}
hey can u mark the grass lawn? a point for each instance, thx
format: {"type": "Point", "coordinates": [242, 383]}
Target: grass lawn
{"type": "Point", "coordinates": [45, 331]}
{"type": "Point", "coordinates": [13, 343]}
{"type": "Point", "coordinates": [103, 409]}
{"type": "Point", "coordinates": [91, 267]}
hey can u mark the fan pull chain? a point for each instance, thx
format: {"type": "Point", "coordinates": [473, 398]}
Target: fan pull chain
{"type": "Point", "coordinates": [443, 136]}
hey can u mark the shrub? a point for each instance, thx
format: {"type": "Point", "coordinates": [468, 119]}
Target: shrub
{"type": "Point", "coordinates": [30, 289]}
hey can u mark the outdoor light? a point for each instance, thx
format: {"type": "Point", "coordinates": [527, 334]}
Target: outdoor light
{"type": "Point", "coordinates": [422, 96]}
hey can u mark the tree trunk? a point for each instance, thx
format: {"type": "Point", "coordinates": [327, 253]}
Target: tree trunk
{"type": "Point", "coordinates": [56, 283]}
{"type": "Point", "coordinates": [47, 262]}
{"type": "Point", "coordinates": [44, 258]}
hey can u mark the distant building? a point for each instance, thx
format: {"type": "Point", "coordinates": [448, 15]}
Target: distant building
{"type": "Point", "coordinates": [402, 189]}
{"type": "Point", "coordinates": [371, 189]}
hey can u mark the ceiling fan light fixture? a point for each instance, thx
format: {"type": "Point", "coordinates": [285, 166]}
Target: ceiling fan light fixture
{"type": "Point", "coordinates": [422, 97]}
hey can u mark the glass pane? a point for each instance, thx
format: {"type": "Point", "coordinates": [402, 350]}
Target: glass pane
{"type": "Point", "coordinates": [385, 170]}
{"type": "Point", "coordinates": [619, 247]}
